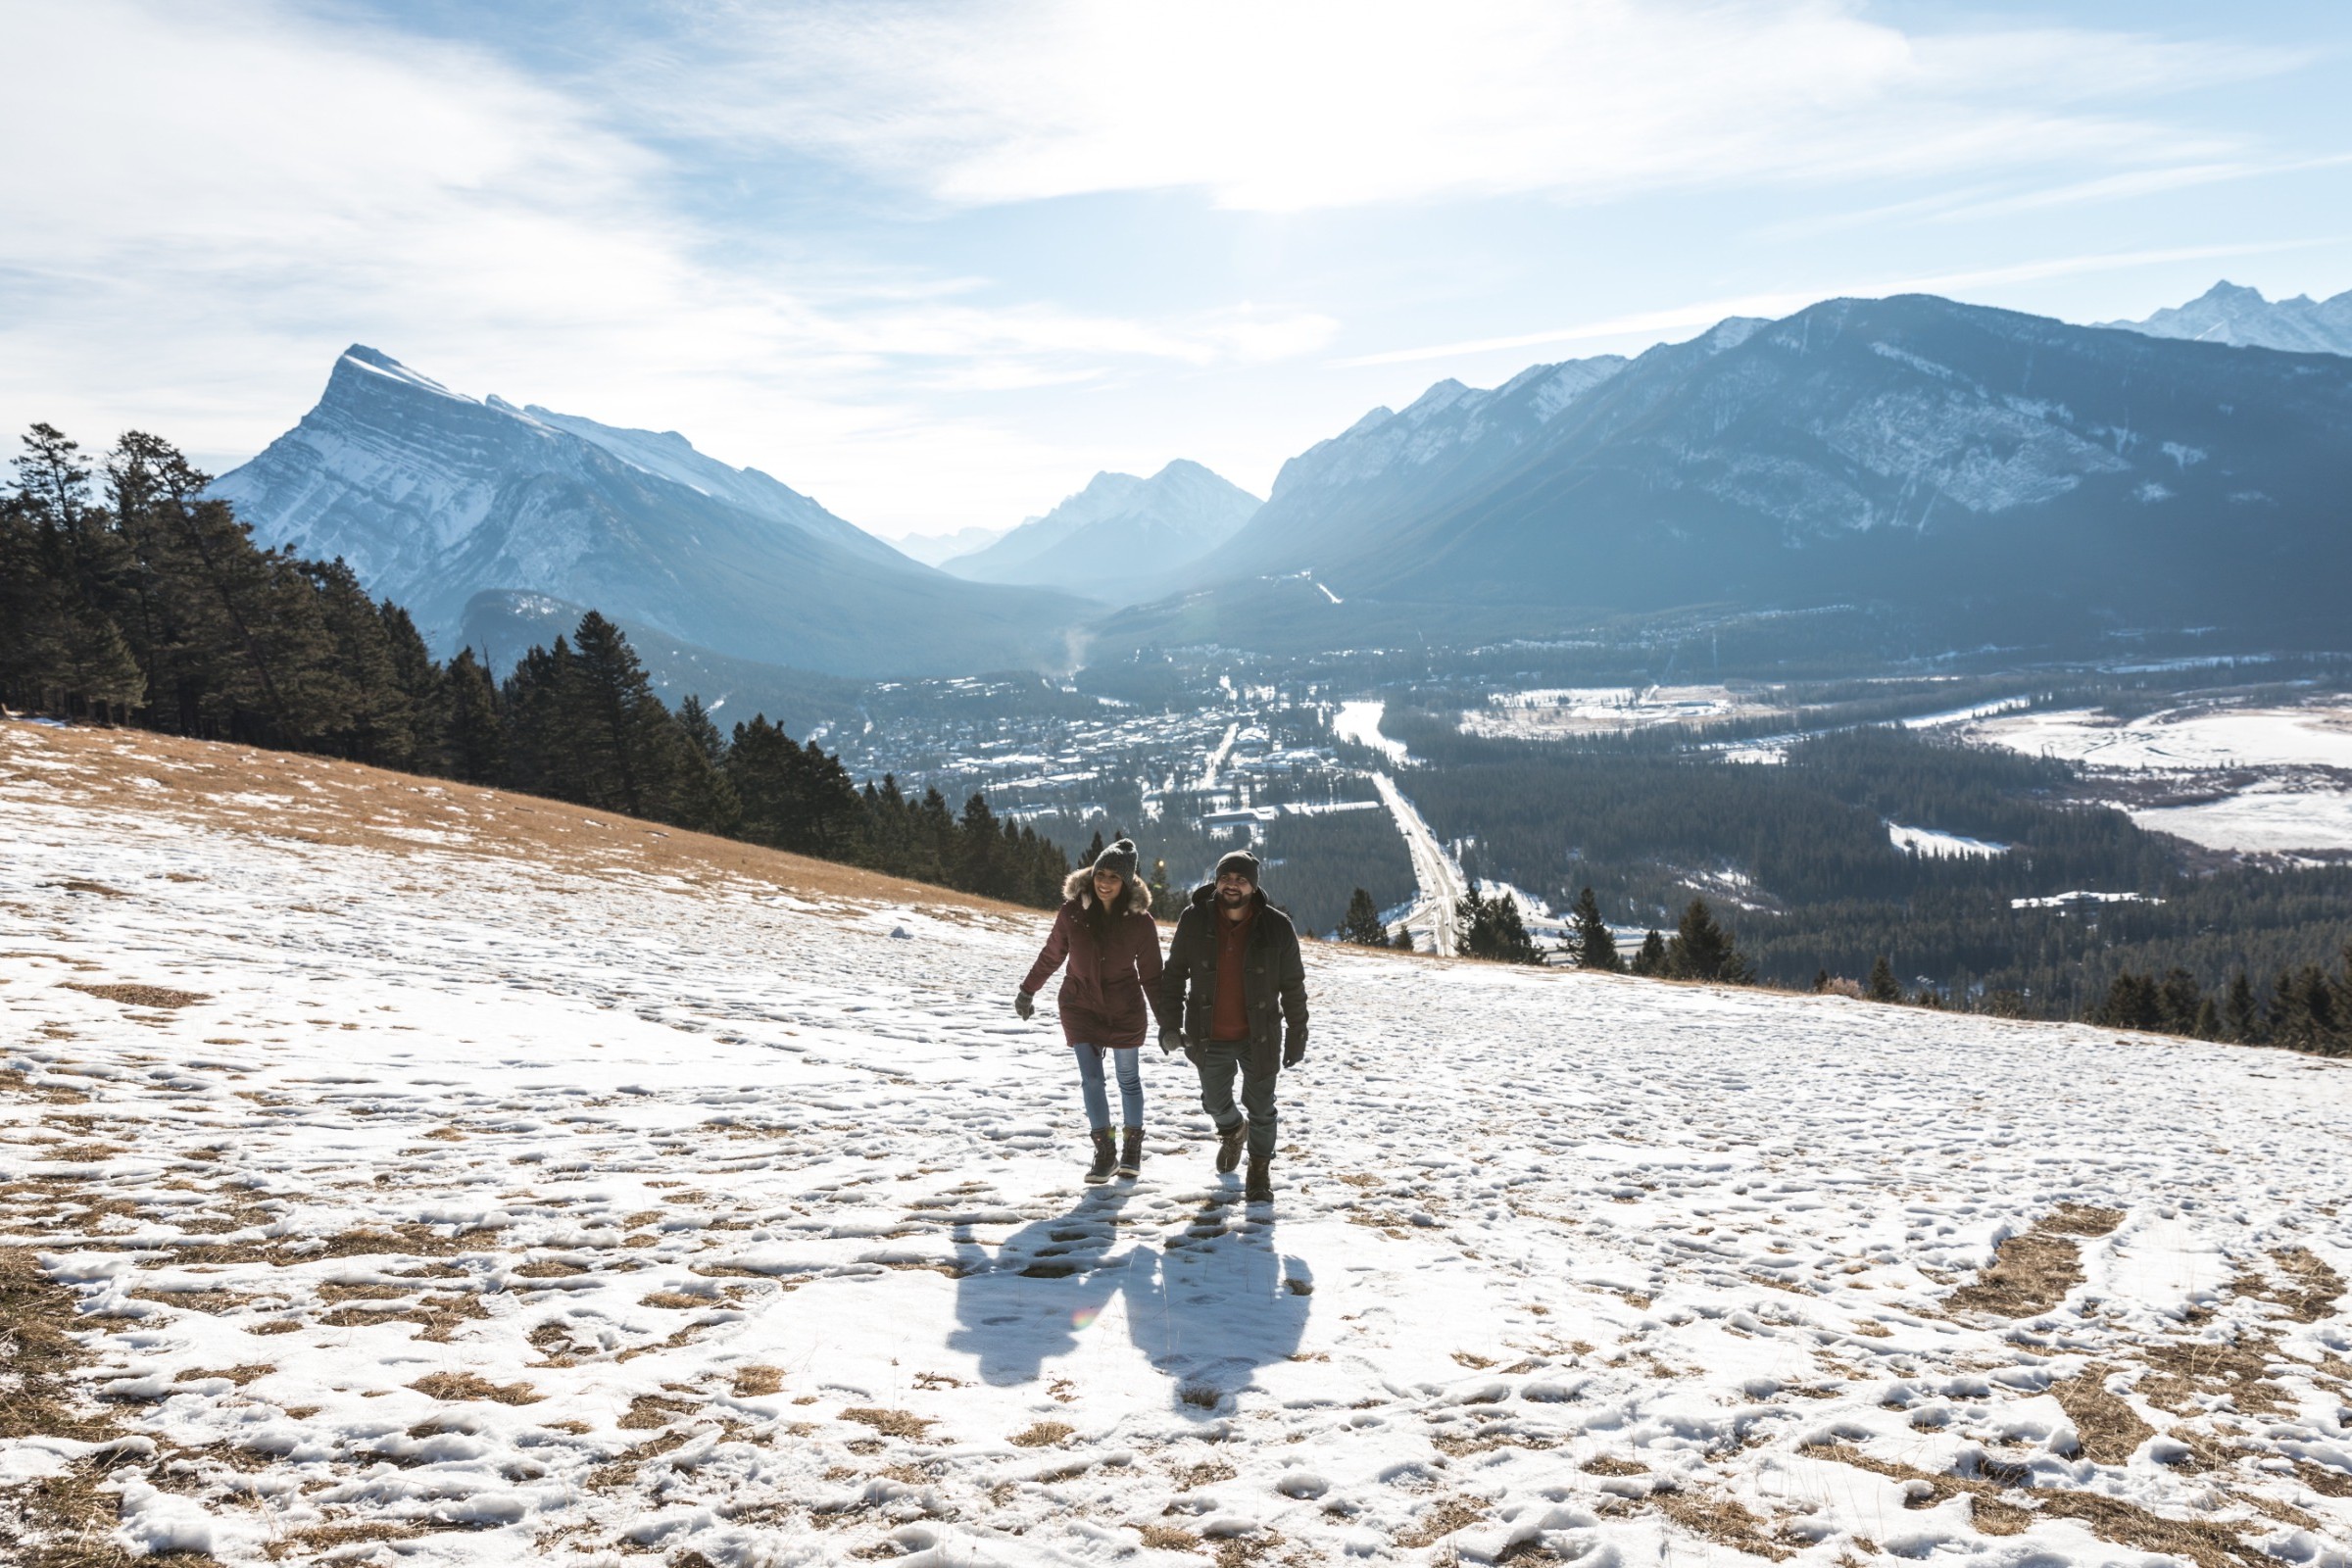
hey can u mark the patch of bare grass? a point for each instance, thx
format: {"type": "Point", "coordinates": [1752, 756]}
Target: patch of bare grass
{"type": "Point", "coordinates": [1044, 1434]}
{"type": "Point", "coordinates": [1723, 1520]}
{"type": "Point", "coordinates": [473, 1385]}
{"type": "Point", "coordinates": [1440, 1520]}
{"type": "Point", "coordinates": [2108, 1428]}
{"type": "Point", "coordinates": [758, 1382]}
{"type": "Point", "coordinates": [2030, 1274]}
{"type": "Point", "coordinates": [135, 995]}
{"type": "Point", "coordinates": [889, 1422]}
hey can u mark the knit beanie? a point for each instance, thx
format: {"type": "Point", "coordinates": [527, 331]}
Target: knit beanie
{"type": "Point", "coordinates": [1241, 860]}
{"type": "Point", "coordinates": [1118, 858]}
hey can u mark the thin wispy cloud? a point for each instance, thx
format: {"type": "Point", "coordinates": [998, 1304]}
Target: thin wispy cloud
{"type": "Point", "coordinates": [937, 262]}
{"type": "Point", "coordinates": [1344, 102]}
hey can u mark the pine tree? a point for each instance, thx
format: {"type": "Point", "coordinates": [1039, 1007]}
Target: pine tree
{"type": "Point", "coordinates": [627, 757]}
{"type": "Point", "coordinates": [2241, 1018]}
{"type": "Point", "coordinates": [474, 735]}
{"type": "Point", "coordinates": [1882, 985]}
{"type": "Point", "coordinates": [1362, 924]}
{"type": "Point", "coordinates": [1650, 960]}
{"type": "Point", "coordinates": [1591, 942]}
{"type": "Point", "coordinates": [1159, 889]}
{"type": "Point", "coordinates": [695, 724]}
{"type": "Point", "coordinates": [1701, 950]}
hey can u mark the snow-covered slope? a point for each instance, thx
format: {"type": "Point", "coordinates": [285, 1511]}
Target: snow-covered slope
{"type": "Point", "coordinates": [2230, 314]}
{"type": "Point", "coordinates": [473, 1179]}
{"type": "Point", "coordinates": [433, 497]}
{"type": "Point", "coordinates": [1120, 538]}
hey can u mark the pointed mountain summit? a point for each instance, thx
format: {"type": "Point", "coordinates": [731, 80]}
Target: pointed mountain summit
{"type": "Point", "coordinates": [1923, 473]}
{"type": "Point", "coordinates": [2229, 313]}
{"type": "Point", "coordinates": [433, 497]}
{"type": "Point", "coordinates": [1121, 538]}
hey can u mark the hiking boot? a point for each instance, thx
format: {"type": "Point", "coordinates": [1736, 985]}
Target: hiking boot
{"type": "Point", "coordinates": [1106, 1157]}
{"type": "Point", "coordinates": [1229, 1147]}
{"type": "Point", "coordinates": [1131, 1152]}
{"type": "Point", "coordinates": [1261, 1186]}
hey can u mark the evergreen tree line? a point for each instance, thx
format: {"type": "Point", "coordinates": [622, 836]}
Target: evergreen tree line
{"type": "Point", "coordinates": [143, 601]}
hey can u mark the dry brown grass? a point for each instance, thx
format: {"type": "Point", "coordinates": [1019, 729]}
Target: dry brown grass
{"type": "Point", "coordinates": [1603, 1464]}
{"type": "Point", "coordinates": [132, 996]}
{"type": "Point", "coordinates": [650, 1412]}
{"type": "Point", "coordinates": [2109, 1430]}
{"type": "Point", "coordinates": [2313, 1288]}
{"type": "Point", "coordinates": [1440, 1520]}
{"type": "Point", "coordinates": [473, 1385]}
{"type": "Point", "coordinates": [2181, 1370]}
{"type": "Point", "coordinates": [2125, 1524]}
{"type": "Point", "coordinates": [889, 1422]}
{"type": "Point", "coordinates": [758, 1382]}
{"type": "Point", "coordinates": [336, 803]}
{"type": "Point", "coordinates": [1044, 1434]}
{"type": "Point", "coordinates": [1723, 1520]}
{"type": "Point", "coordinates": [1167, 1537]}
{"type": "Point", "coordinates": [2080, 1219]}
{"type": "Point", "coordinates": [1203, 1475]}
{"type": "Point", "coordinates": [2030, 1274]}
{"type": "Point", "coordinates": [239, 1375]}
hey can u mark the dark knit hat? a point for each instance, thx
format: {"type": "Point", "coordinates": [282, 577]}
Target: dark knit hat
{"type": "Point", "coordinates": [1118, 858]}
{"type": "Point", "coordinates": [1241, 860]}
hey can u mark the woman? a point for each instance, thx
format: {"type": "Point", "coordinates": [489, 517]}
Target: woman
{"type": "Point", "coordinates": [1106, 930]}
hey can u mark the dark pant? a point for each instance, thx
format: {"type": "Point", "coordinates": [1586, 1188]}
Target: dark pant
{"type": "Point", "coordinates": [1218, 1061]}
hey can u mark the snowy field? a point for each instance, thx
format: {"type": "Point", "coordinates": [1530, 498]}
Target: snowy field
{"type": "Point", "coordinates": [2259, 780]}
{"type": "Point", "coordinates": [440, 1177]}
{"type": "Point", "coordinates": [1560, 712]}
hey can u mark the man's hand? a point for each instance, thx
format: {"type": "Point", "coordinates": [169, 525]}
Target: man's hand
{"type": "Point", "coordinates": [1294, 1049]}
{"type": "Point", "coordinates": [1170, 1040]}
{"type": "Point", "coordinates": [1024, 1003]}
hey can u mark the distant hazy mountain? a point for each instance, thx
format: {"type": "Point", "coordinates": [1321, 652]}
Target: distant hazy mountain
{"type": "Point", "coordinates": [1392, 464]}
{"type": "Point", "coordinates": [433, 497]}
{"type": "Point", "coordinates": [2229, 313]}
{"type": "Point", "coordinates": [1960, 474]}
{"type": "Point", "coordinates": [1121, 538]}
{"type": "Point", "coordinates": [934, 549]}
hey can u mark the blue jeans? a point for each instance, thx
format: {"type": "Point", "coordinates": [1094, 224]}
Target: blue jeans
{"type": "Point", "coordinates": [1097, 1097]}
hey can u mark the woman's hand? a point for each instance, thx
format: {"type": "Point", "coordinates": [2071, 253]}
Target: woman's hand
{"type": "Point", "coordinates": [1024, 1003]}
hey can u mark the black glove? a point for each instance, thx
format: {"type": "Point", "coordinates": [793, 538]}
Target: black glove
{"type": "Point", "coordinates": [1024, 1003]}
{"type": "Point", "coordinates": [1294, 1049]}
{"type": "Point", "coordinates": [1170, 1040]}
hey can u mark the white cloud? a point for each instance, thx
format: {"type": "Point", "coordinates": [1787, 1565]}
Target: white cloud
{"type": "Point", "coordinates": [206, 201]}
{"type": "Point", "coordinates": [1325, 103]}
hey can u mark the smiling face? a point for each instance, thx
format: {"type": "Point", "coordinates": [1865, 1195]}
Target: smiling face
{"type": "Point", "coordinates": [1109, 885]}
{"type": "Point", "coordinates": [1233, 891]}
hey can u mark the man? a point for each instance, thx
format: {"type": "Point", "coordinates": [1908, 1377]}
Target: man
{"type": "Point", "coordinates": [1235, 995]}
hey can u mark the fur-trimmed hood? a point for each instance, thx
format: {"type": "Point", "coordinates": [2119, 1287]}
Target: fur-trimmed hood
{"type": "Point", "coordinates": [1079, 888]}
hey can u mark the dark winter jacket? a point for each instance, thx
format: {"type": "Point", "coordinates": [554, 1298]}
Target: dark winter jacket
{"type": "Point", "coordinates": [1273, 980]}
{"type": "Point", "coordinates": [1112, 987]}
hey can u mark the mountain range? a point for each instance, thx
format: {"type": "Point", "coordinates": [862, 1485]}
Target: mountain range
{"type": "Point", "coordinates": [433, 497]}
{"type": "Point", "coordinates": [1974, 474]}
{"type": "Point", "coordinates": [1121, 538]}
{"type": "Point", "coordinates": [2229, 313]}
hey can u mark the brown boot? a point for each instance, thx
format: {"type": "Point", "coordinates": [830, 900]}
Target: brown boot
{"type": "Point", "coordinates": [1106, 1157]}
{"type": "Point", "coordinates": [1131, 1152]}
{"type": "Point", "coordinates": [1229, 1147]}
{"type": "Point", "coordinates": [1260, 1186]}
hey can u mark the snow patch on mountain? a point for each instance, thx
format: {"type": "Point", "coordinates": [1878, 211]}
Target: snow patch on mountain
{"type": "Point", "coordinates": [2227, 312]}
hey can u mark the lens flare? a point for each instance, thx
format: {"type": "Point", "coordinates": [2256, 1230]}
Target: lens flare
{"type": "Point", "coordinates": [1085, 1316]}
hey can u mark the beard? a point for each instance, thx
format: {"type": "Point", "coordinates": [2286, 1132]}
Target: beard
{"type": "Point", "coordinates": [1231, 899]}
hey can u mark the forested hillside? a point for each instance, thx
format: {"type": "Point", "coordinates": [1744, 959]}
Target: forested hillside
{"type": "Point", "coordinates": [141, 601]}
{"type": "Point", "coordinates": [1800, 860]}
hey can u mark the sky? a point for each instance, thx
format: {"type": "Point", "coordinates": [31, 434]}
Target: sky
{"type": "Point", "coordinates": [936, 264]}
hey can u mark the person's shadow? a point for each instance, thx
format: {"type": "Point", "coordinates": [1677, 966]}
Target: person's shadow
{"type": "Point", "coordinates": [1218, 1302]}
{"type": "Point", "coordinates": [1026, 1303]}
{"type": "Point", "coordinates": [1208, 1307]}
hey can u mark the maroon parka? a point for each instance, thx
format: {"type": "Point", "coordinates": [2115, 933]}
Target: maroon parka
{"type": "Point", "coordinates": [1111, 991]}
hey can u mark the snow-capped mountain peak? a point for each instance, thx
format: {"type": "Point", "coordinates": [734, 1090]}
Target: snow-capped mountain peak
{"type": "Point", "coordinates": [2230, 313]}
